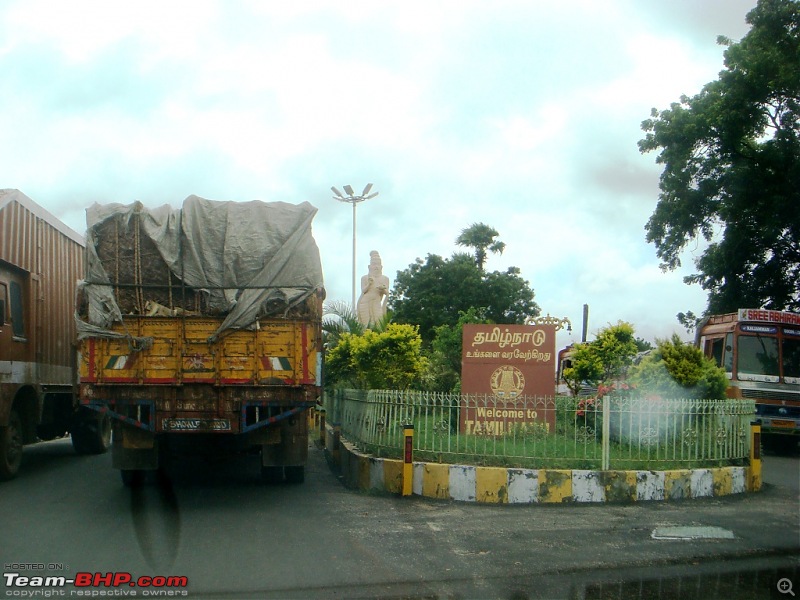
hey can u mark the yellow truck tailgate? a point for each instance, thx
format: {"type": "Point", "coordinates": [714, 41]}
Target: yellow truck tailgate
{"type": "Point", "coordinates": [278, 352]}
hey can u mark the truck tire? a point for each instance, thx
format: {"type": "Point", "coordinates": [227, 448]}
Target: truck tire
{"type": "Point", "coordinates": [778, 443]}
{"type": "Point", "coordinates": [272, 474]}
{"type": "Point", "coordinates": [132, 478]}
{"type": "Point", "coordinates": [91, 434]}
{"type": "Point", "coordinates": [10, 447]}
{"type": "Point", "coordinates": [295, 475]}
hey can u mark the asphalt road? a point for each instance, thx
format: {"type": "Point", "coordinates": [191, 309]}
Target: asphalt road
{"type": "Point", "coordinates": [782, 470]}
{"type": "Point", "coordinates": [233, 537]}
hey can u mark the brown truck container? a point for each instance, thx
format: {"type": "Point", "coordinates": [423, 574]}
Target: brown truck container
{"type": "Point", "coordinates": [41, 261]}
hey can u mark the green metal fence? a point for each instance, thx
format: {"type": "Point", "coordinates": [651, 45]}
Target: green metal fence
{"type": "Point", "coordinates": [551, 432]}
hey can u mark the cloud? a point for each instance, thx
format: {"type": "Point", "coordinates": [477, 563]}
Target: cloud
{"type": "Point", "coordinates": [522, 115]}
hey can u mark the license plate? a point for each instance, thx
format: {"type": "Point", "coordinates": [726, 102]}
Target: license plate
{"type": "Point", "coordinates": [196, 425]}
{"type": "Point", "coordinates": [777, 423]}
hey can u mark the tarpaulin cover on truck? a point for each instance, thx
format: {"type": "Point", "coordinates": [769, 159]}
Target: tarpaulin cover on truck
{"type": "Point", "coordinates": [243, 260]}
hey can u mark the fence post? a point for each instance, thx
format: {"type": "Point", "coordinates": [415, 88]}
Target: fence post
{"type": "Point", "coordinates": [321, 415]}
{"type": "Point", "coordinates": [336, 425]}
{"type": "Point", "coordinates": [755, 456]}
{"type": "Point", "coordinates": [605, 440]}
{"type": "Point", "coordinates": [408, 459]}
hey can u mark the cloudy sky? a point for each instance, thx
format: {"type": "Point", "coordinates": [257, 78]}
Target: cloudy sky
{"type": "Point", "coordinates": [520, 114]}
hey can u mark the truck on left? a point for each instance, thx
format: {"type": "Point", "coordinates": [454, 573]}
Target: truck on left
{"type": "Point", "coordinates": [41, 261]}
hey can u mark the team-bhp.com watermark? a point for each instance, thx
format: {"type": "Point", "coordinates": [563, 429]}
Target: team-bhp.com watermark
{"type": "Point", "coordinates": [116, 584]}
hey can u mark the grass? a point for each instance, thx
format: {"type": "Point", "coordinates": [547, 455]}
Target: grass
{"type": "Point", "coordinates": [573, 444]}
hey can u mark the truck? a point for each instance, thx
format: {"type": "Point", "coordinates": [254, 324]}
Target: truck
{"type": "Point", "coordinates": [760, 352]}
{"type": "Point", "coordinates": [200, 332]}
{"type": "Point", "coordinates": [41, 261]}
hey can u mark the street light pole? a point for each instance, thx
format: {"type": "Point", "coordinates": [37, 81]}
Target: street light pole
{"type": "Point", "coordinates": [353, 199]}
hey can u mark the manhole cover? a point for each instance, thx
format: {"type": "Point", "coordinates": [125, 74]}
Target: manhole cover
{"type": "Point", "coordinates": [691, 533]}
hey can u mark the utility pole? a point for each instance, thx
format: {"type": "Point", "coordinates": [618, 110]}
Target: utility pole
{"type": "Point", "coordinates": [353, 199]}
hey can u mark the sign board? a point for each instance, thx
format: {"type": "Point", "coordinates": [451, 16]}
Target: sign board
{"type": "Point", "coordinates": [503, 363]}
{"type": "Point", "coordinates": [769, 316]}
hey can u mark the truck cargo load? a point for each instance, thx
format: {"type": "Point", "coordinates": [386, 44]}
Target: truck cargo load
{"type": "Point", "coordinates": [202, 323]}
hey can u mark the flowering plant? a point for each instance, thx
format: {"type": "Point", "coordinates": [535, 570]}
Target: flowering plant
{"type": "Point", "coordinates": [588, 418]}
{"type": "Point", "coordinates": [588, 405]}
{"type": "Point", "coordinates": [589, 410]}
{"type": "Point", "coordinates": [616, 388]}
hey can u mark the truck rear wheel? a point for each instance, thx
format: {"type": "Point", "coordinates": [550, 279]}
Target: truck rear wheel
{"type": "Point", "coordinates": [11, 447]}
{"type": "Point", "coordinates": [132, 478]}
{"type": "Point", "coordinates": [91, 434]}
{"type": "Point", "coordinates": [779, 443]}
{"type": "Point", "coordinates": [295, 474]}
{"type": "Point", "coordinates": [272, 474]}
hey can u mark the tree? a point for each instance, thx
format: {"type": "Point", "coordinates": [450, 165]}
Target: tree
{"type": "Point", "coordinates": [615, 346]}
{"type": "Point", "coordinates": [340, 318]}
{"type": "Point", "coordinates": [679, 370]}
{"type": "Point", "coordinates": [604, 359]}
{"type": "Point", "coordinates": [689, 320]}
{"type": "Point", "coordinates": [731, 157]}
{"type": "Point", "coordinates": [643, 345]}
{"type": "Point", "coordinates": [446, 352]}
{"type": "Point", "coordinates": [585, 368]}
{"type": "Point", "coordinates": [391, 359]}
{"type": "Point", "coordinates": [436, 291]}
{"type": "Point", "coordinates": [481, 237]}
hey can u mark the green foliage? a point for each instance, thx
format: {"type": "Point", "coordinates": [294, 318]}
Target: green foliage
{"type": "Point", "coordinates": [587, 368]}
{"type": "Point", "coordinates": [436, 291]}
{"type": "Point", "coordinates": [446, 350]}
{"type": "Point", "coordinates": [679, 370]}
{"type": "Point", "coordinates": [689, 320]}
{"type": "Point", "coordinates": [341, 318]}
{"type": "Point", "coordinates": [642, 345]}
{"type": "Point", "coordinates": [616, 347]}
{"type": "Point", "coordinates": [481, 237]}
{"type": "Point", "coordinates": [391, 359]}
{"type": "Point", "coordinates": [605, 358]}
{"type": "Point", "coordinates": [731, 157]}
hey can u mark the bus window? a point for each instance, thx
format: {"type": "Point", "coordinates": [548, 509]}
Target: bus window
{"type": "Point", "coordinates": [791, 356]}
{"type": "Point", "coordinates": [717, 346]}
{"type": "Point", "coordinates": [728, 359]}
{"type": "Point", "coordinates": [758, 358]}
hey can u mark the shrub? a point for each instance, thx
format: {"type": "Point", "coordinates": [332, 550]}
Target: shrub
{"type": "Point", "coordinates": [678, 370]}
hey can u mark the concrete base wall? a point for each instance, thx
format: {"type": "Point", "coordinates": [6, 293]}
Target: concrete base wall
{"type": "Point", "coordinates": [525, 486]}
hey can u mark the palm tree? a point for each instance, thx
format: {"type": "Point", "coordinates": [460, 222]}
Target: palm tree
{"type": "Point", "coordinates": [340, 318]}
{"type": "Point", "coordinates": [481, 237]}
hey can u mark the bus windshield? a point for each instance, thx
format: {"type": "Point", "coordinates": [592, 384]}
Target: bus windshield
{"type": "Point", "coordinates": [791, 359]}
{"type": "Point", "coordinates": [758, 358]}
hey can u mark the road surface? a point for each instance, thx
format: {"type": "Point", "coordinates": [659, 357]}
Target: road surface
{"type": "Point", "coordinates": [231, 536]}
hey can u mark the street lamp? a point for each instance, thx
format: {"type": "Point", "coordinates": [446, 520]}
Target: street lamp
{"type": "Point", "coordinates": [353, 199]}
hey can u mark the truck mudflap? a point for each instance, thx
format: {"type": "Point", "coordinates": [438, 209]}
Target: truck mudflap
{"type": "Point", "coordinates": [142, 415]}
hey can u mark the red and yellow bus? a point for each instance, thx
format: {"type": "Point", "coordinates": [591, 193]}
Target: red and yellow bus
{"type": "Point", "coordinates": [760, 352]}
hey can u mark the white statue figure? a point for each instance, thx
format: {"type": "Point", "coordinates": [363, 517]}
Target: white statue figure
{"type": "Point", "coordinates": [371, 306]}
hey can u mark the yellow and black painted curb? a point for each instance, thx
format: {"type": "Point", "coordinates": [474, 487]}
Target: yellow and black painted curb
{"type": "Point", "coordinates": [525, 486]}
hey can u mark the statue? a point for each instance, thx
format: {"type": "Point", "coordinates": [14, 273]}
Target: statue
{"type": "Point", "coordinates": [371, 306]}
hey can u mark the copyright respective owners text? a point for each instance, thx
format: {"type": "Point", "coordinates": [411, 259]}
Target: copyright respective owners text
{"type": "Point", "coordinates": [57, 580]}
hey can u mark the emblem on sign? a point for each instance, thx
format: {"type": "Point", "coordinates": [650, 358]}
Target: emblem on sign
{"type": "Point", "coordinates": [507, 382]}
